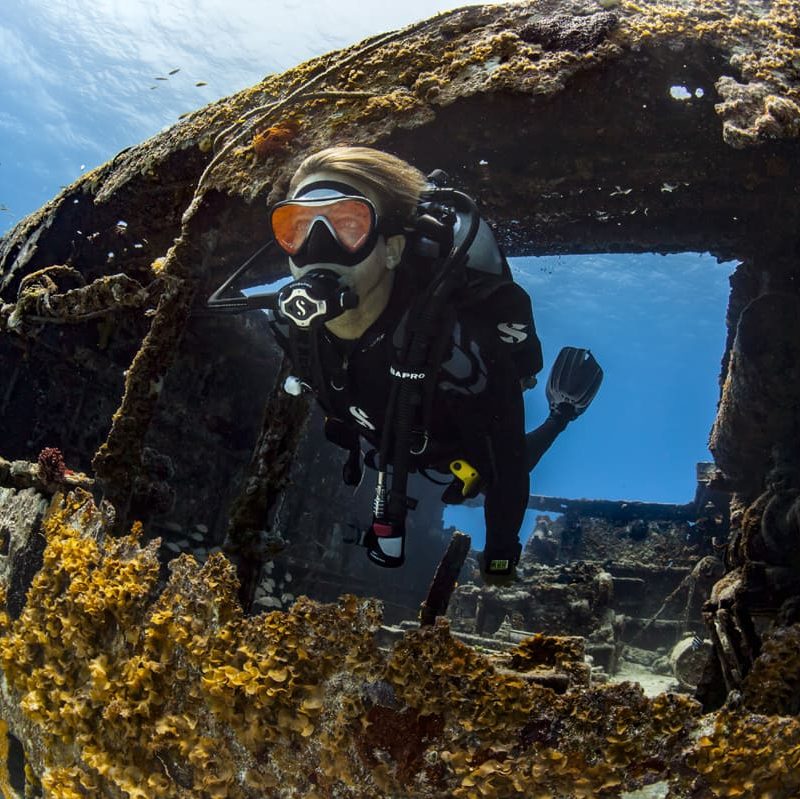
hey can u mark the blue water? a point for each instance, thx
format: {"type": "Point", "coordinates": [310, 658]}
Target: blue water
{"type": "Point", "coordinates": [78, 80]}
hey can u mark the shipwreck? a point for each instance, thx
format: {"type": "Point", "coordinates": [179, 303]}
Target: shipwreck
{"type": "Point", "coordinates": [179, 621]}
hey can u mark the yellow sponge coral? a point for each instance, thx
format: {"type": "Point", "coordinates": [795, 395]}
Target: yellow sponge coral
{"type": "Point", "coordinates": [126, 693]}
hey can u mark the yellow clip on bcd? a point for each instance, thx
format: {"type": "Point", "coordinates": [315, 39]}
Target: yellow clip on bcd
{"type": "Point", "coordinates": [468, 475]}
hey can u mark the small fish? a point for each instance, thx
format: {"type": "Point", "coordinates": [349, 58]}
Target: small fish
{"type": "Point", "coordinates": [153, 87]}
{"type": "Point", "coordinates": [201, 83]}
{"type": "Point", "coordinates": [174, 71]}
{"type": "Point", "coordinates": [4, 207]}
{"type": "Point", "coordinates": [160, 78]}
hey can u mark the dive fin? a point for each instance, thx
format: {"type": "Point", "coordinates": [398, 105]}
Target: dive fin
{"type": "Point", "coordinates": [574, 380]}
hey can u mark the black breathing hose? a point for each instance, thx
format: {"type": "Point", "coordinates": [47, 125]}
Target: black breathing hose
{"type": "Point", "coordinates": [409, 394]}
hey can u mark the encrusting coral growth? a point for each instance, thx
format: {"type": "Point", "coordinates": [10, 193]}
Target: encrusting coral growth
{"type": "Point", "coordinates": [5, 779]}
{"type": "Point", "coordinates": [774, 683]}
{"type": "Point", "coordinates": [402, 82]}
{"type": "Point", "coordinates": [127, 692]}
{"type": "Point", "coordinates": [51, 465]}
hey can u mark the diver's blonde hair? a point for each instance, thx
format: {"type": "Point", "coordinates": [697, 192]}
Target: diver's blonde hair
{"type": "Point", "coordinates": [396, 184]}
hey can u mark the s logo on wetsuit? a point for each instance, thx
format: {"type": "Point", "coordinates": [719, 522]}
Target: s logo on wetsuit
{"type": "Point", "coordinates": [512, 332]}
{"type": "Point", "coordinates": [361, 417]}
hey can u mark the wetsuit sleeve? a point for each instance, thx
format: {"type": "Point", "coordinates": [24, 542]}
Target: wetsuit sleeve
{"type": "Point", "coordinates": [508, 306]}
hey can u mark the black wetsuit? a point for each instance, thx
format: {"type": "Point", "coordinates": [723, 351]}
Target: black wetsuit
{"type": "Point", "coordinates": [477, 410]}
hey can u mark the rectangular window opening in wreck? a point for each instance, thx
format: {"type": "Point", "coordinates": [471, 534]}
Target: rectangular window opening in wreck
{"type": "Point", "coordinates": [656, 324]}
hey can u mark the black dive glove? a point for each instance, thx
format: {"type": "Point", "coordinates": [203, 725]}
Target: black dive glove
{"type": "Point", "coordinates": [498, 565]}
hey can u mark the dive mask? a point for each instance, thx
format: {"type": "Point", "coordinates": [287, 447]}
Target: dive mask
{"type": "Point", "coordinates": [326, 223]}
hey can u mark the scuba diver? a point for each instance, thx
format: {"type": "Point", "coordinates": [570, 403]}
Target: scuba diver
{"type": "Point", "coordinates": [405, 323]}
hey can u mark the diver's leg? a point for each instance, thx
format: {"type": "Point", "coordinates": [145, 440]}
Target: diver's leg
{"type": "Point", "coordinates": [574, 380]}
{"type": "Point", "coordinates": [538, 441]}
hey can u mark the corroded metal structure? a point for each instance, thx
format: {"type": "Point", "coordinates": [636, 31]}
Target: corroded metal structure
{"type": "Point", "coordinates": [558, 117]}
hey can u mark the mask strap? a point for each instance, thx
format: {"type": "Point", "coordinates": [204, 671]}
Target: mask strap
{"type": "Point", "coordinates": [332, 185]}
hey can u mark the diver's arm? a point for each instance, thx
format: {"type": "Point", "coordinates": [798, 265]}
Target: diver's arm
{"type": "Point", "coordinates": [492, 434]}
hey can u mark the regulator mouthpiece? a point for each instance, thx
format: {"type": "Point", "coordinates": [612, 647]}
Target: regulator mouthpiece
{"type": "Point", "coordinates": [317, 297]}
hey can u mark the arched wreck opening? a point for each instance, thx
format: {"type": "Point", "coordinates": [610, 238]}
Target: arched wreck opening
{"type": "Point", "coordinates": [550, 183]}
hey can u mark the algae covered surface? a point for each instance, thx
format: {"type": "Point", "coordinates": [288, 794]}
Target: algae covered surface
{"type": "Point", "coordinates": [126, 688]}
{"type": "Point", "coordinates": [402, 79]}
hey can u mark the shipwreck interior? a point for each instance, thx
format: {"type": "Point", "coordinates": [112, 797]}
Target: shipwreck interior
{"type": "Point", "coordinates": [176, 417]}
{"type": "Point", "coordinates": [620, 161]}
